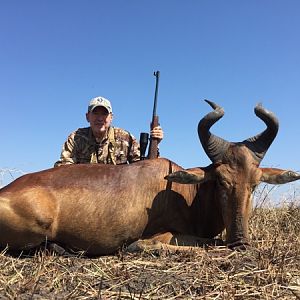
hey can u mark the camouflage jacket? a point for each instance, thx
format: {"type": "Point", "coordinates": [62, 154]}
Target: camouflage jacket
{"type": "Point", "coordinates": [81, 147]}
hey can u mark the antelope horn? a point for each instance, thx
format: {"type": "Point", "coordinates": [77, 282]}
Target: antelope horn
{"type": "Point", "coordinates": [260, 143]}
{"type": "Point", "coordinates": [213, 146]}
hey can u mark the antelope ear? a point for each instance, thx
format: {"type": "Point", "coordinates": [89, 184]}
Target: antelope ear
{"type": "Point", "coordinates": [278, 176]}
{"type": "Point", "coordinates": [189, 176]}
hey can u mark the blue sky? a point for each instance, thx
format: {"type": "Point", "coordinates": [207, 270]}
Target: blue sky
{"type": "Point", "coordinates": [57, 55]}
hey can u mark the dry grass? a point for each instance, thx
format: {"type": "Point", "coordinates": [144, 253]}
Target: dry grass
{"type": "Point", "coordinates": [271, 270]}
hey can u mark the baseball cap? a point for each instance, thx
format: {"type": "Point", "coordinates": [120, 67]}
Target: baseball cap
{"type": "Point", "coordinates": [100, 101]}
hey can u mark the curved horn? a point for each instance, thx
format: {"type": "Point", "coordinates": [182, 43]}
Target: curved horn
{"type": "Point", "coordinates": [260, 143]}
{"type": "Point", "coordinates": [213, 146]}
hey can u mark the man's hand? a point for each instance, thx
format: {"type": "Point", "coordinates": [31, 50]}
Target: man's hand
{"type": "Point", "coordinates": [157, 133]}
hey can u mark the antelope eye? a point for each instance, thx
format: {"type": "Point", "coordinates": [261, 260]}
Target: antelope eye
{"type": "Point", "coordinates": [252, 188]}
{"type": "Point", "coordinates": [223, 182]}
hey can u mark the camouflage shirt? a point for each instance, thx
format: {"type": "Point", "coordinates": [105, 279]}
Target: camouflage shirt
{"type": "Point", "coordinates": [81, 147]}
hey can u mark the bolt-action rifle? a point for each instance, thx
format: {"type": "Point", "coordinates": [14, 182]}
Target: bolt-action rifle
{"type": "Point", "coordinates": [153, 147]}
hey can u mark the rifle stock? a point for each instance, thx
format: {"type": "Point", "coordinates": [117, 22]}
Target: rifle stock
{"type": "Point", "coordinates": [153, 147]}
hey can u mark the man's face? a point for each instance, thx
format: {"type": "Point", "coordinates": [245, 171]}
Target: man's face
{"type": "Point", "coordinates": [100, 120]}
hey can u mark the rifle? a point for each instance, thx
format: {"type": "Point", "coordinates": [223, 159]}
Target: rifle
{"type": "Point", "coordinates": [153, 150]}
{"type": "Point", "coordinates": [153, 147]}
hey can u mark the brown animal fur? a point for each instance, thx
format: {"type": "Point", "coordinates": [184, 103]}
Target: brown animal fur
{"type": "Point", "coordinates": [99, 208]}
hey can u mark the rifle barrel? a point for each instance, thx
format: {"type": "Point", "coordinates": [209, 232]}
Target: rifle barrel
{"type": "Point", "coordinates": [156, 74]}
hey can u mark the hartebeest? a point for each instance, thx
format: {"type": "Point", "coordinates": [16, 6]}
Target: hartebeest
{"type": "Point", "coordinates": [99, 208]}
